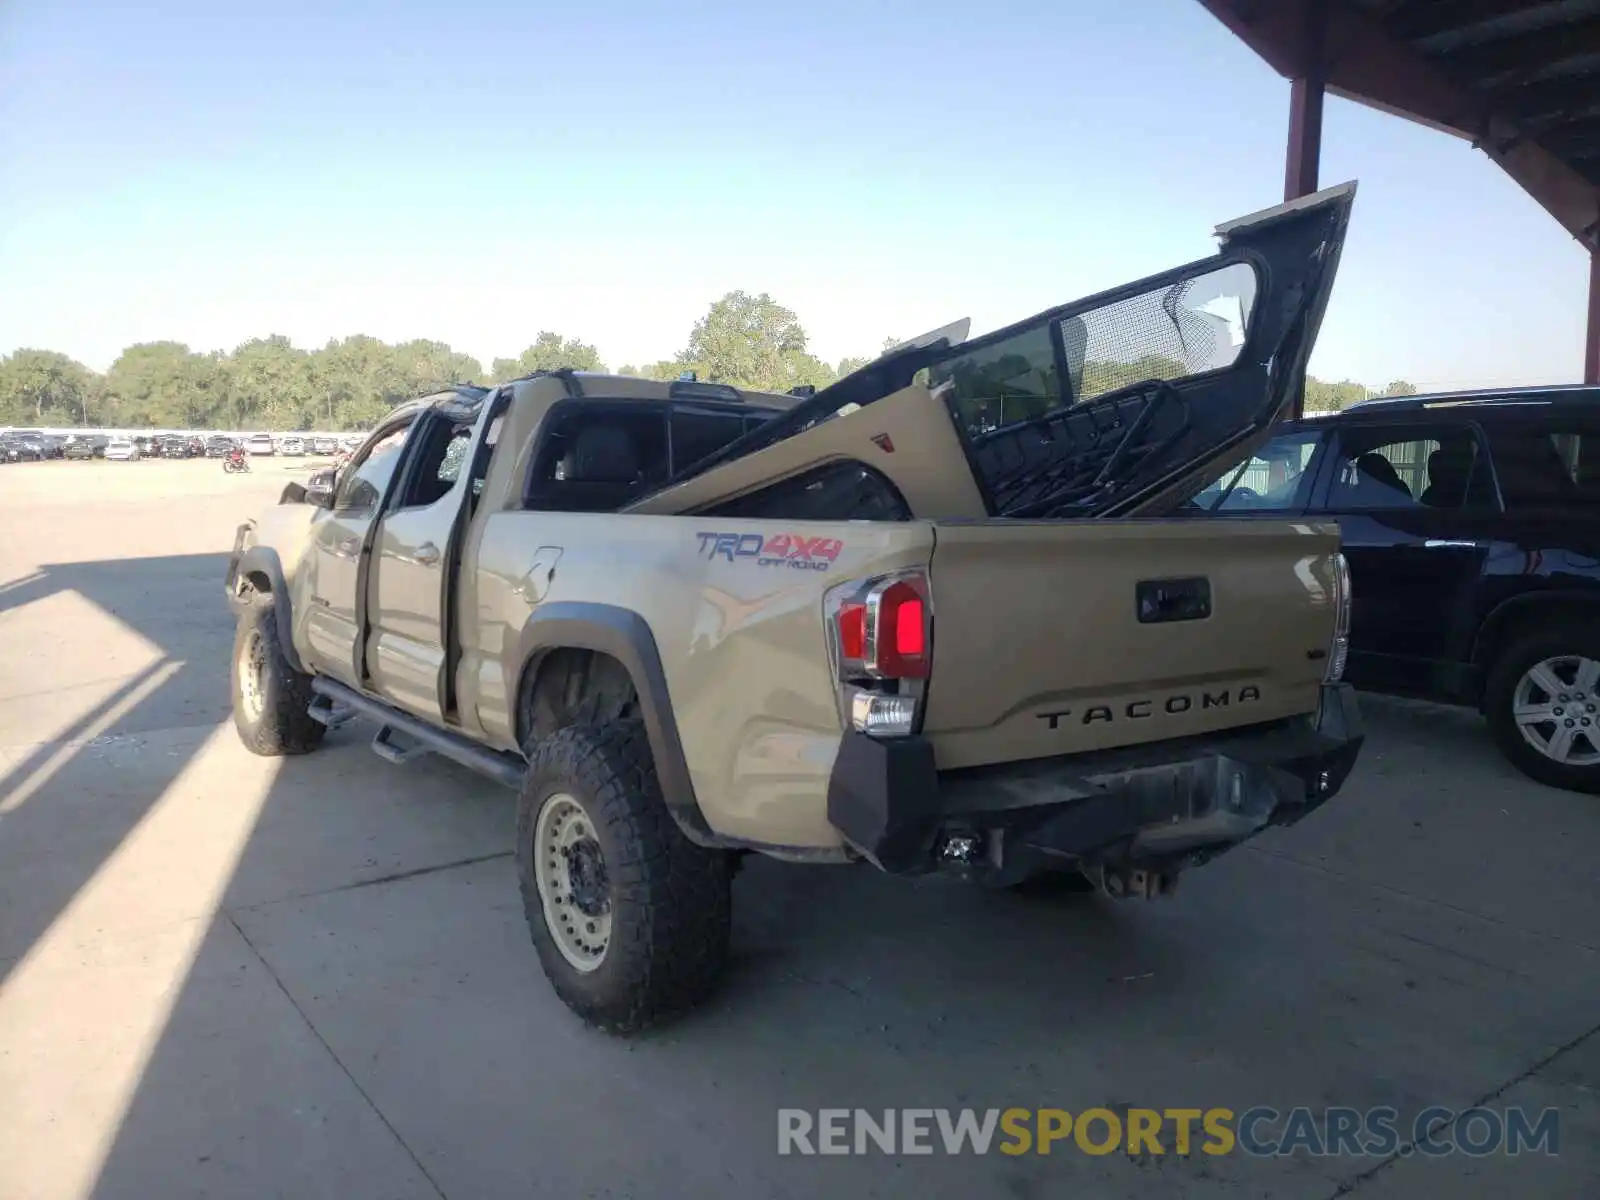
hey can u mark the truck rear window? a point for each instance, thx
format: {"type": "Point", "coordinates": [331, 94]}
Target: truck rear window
{"type": "Point", "coordinates": [598, 456]}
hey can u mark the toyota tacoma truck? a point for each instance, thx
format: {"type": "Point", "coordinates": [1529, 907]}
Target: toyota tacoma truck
{"type": "Point", "coordinates": [947, 614]}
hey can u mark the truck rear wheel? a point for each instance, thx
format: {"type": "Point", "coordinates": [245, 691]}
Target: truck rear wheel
{"type": "Point", "coordinates": [631, 921]}
{"type": "Point", "coordinates": [270, 698]}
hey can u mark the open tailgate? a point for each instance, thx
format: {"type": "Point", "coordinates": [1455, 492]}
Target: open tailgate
{"type": "Point", "coordinates": [1061, 637]}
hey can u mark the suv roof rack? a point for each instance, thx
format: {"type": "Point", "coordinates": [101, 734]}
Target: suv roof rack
{"type": "Point", "coordinates": [1575, 393]}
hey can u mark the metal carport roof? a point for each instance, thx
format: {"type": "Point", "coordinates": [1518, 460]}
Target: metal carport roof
{"type": "Point", "coordinates": [1519, 79]}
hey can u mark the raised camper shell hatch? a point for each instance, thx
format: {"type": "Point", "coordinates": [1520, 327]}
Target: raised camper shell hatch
{"type": "Point", "coordinates": [1120, 404]}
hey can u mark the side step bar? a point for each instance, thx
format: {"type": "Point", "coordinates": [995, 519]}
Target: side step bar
{"type": "Point", "coordinates": [498, 765]}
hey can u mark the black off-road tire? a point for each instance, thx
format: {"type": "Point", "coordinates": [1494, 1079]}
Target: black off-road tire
{"type": "Point", "coordinates": [1500, 690]}
{"type": "Point", "coordinates": [270, 698]}
{"type": "Point", "coordinates": [670, 901]}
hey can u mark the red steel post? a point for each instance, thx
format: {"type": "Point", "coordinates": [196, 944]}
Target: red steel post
{"type": "Point", "coordinates": [1591, 352]}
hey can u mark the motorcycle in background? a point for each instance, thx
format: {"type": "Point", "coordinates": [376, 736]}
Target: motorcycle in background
{"type": "Point", "coordinates": [235, 463]}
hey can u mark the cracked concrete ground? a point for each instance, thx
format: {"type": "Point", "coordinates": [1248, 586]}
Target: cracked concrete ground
{"type": "Point", "coordinates": [221, 976]}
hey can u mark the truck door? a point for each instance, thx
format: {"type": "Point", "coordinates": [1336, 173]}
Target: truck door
{"type": "Point", "coordinates": [410, 571]}
{"type": "Point", "coordinates": [332, 617]}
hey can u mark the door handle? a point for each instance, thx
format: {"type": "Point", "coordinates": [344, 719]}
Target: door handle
{"type": "Point", "coordinates": [427, 554]}
{"type": "Point", "coordinates": [348, 547]}
{"type": "Point", "coordinates": [1451, 544]}
{"type": "Point", "coordinates": [536, 583]}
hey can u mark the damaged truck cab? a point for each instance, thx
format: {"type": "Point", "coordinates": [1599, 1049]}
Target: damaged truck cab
{"type": "Point", "coordinates": [943, 615]}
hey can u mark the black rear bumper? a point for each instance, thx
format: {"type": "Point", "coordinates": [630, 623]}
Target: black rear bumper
{"type": "Point", "coordinates": [1159, 806]}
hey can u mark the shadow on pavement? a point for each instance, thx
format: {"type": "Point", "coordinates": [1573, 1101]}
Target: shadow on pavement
{"type": "Point", "coordinates": [356, 1010]}
{"type": "Point", "coordinates": [1261, 983]}
{"type": "Point", "coordinates": [64, 815]}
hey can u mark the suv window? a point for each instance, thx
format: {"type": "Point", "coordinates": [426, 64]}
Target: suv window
{"type": "Point", "coordinates": [1412, 468]}
{"type": "Point", "coordinates": [1540, 468]}
{"type": "Point", "coordinates": [363, 482]}
{"type": "Point", "coordinates": [1272, 479]}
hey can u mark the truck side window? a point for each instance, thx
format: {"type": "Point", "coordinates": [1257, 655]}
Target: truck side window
{"type": "Point", "coordinates": [597, 458]}
{"type": "Point", "coordinates": [363, 483]}
{"type": "Point", "coordinates": [439, 465]}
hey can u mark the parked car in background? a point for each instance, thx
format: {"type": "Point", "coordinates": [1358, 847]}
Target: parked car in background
{"type": "Point", "coordinates": [79, 448]}
{"type": "Point", "coordinates": [146, 443]}
{"type": "Point", "coordinates": [259, 443]}
{"type": "Point", "coordinates": [174, 447]}
{"type": "Point", "coordinates": [324, 445]}
{"type": "Point", "coordinates": [218, 446]}
{"type": "Point", "coordinates": [1471, 522]}
{"type": "Point", "coordinates": [197, 446]}
{"type": "Point", "coordinates": [352, 441]}
{"type": "Point", "coordinates": [36, 440]}
{"type": "Point", "coordinates": [21, 447]}
{"type": "Point", "coordinates": [292, 446]}
{"type": "Point", "coordinates": [121, 449]}
{"type": "Point", "coordinates": [54, 444]}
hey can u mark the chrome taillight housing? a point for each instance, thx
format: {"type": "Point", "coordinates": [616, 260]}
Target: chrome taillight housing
{"type": "Point", "coordinates": [1339, 645]}
{"type": "Point", "coordinates": [880, 643]}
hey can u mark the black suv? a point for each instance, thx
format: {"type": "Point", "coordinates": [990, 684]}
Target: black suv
{"type": "Point", "coordinates": [1471, 523]}
{"type": "Point", "coordinates": [22, 447]}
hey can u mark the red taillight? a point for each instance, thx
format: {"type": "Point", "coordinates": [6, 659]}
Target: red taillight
{"type": "Point", "coordinates": [901, 642]}
{"type": "Point", "coordinates": [887, 633]}
{"type": "Point", "coordinates": [908, 636]}
{"type": "Point", "coordinates": [882, 643]}
{"type": "Point", "coordinates": [853, 631]}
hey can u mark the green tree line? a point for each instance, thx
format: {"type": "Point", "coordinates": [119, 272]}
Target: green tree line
{"type": "Point", "coordinates": [269, 383]}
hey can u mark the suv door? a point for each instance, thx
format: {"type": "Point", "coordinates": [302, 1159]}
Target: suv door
{"type": "Point", "coordinates": [335, 555]}
{"type": "Point", "coordinates": [1417, 508]}
{"type": "Point", "coordinates": [410, 577]}
{"type": "Point", "coordinates": [1542, 685]}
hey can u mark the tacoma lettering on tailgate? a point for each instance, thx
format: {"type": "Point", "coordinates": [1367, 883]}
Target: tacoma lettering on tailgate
{"type": "Point", "coordinates": [1136, 709]}
{"type": "Point", "coordinates": [793, 550]}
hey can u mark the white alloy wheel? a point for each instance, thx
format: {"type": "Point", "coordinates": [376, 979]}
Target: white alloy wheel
{"type": "Point", "coordinates": [570, 873]}
{"type": "Point", "coordinates": [1555, 709]}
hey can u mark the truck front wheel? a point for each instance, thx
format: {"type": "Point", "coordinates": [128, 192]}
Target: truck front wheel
{"type": "Point", "coordinates": [631, 920]}
{"type": "Point", "coordinates": [270, 698]}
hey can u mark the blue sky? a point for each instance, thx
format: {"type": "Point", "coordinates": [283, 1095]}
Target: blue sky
{"type": "Point", "coordinates": [479, 170]}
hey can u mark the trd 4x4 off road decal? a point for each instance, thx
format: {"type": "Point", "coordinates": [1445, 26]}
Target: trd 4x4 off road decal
{"type": "Point", "coordinates": [794, 550]}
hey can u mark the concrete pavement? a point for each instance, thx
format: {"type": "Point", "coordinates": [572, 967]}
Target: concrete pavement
{"type": "Point", "coordinates": [221, 976]}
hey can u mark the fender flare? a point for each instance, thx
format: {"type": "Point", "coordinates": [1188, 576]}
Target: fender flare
{"type": "Point", "coordinates": [626, 637]}
{"type": "Point", "coordinates": [263, 560]}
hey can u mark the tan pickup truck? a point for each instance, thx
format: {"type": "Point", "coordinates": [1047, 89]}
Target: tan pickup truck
{"type": "Point", "coordinates": [894, 621]}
